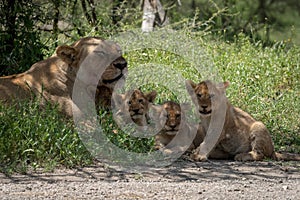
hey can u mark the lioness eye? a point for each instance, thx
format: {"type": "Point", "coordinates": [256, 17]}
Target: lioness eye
{"type": "Point", "coordinates": [199, 95]}
{"type": "Point", "coordinates": [129, 102]}
{"type": "Point", "coordinates": [141, 100]}
{"type": "Point", "coordinates": [101, 53]}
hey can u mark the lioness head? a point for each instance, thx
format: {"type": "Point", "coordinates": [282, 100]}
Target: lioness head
{"type": "Point", "coordinates": [136, 103]}
{"type": "Point", "coordinates": [101, 61]}
{"type": "Point", "coordinates": [206, 95]}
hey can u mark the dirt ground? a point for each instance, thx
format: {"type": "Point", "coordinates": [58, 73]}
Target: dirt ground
{"type": "Point", "coordinates": [182, 180]}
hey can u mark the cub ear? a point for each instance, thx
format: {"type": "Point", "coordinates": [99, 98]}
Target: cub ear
{"type": "Point", "coordinates": [118, 99]}
{"type": "Point", "coordinates": [66, 53]}
{"type": "Point", "coordinates": [151, 96]}
{"type": "Point", "coordinates": [226, 84]}
{"type": "Point", "coordinates": [155, 111]}
{"type": "Point", "coordinates": [223, 85]}
{"type": "Point", "coordinates": [185, 106]}
{"type": "Point", "coordinates": [190, 86]}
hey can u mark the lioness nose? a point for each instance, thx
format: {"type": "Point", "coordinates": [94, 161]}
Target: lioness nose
{"type": "Point", "coordinates": [120, 64]}
{"type": "Point", "coordinates": [204, 106]}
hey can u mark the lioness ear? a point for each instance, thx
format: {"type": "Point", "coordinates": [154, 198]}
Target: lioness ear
{"type": "Point", "coordinates": [66, 53]}
{"type": "Point", "coordinates": [151, 96]}
{"type": "Point", "coordinates": [190, 86]}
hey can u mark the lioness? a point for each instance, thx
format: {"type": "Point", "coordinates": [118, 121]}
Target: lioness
{"type": "Point", "coordinates": [134, 106]}
{"type": "Point", "coordinates": [175, 135]}
{"type": "Point", "coordinates": [242, 137]}
{"type": "Point", "coordinates": [53, 79]}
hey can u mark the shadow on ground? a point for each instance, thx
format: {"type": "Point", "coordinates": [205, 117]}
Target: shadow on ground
{"type": "Point", "coordinates": [179, 171]}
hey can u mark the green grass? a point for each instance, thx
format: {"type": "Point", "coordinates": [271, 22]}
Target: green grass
{"type": "Point", "coordinates": [33, 138]}
{"type": "Point", "coordinates": [264, 82]}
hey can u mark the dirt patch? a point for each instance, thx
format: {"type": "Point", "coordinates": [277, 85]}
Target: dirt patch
{"type": "Point", "coordinates": [181, 180]}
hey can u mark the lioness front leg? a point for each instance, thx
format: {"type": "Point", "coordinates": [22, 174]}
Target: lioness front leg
{"type": "Point", "coordinates": [261, 144]}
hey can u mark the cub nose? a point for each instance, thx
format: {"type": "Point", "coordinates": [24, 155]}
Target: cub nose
{"type": "Point", "coordinates": [172, 126]}
{"type": "Point", "coordinates": [136, 111]}
{"type": "Point", "coordinates": [204, 106]}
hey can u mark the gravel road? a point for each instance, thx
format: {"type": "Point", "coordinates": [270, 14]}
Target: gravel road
{"type": "Point", "coordinates": [182, 180]}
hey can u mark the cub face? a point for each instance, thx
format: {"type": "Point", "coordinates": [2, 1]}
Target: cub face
{"type": "Point", "coordinates": [172, 115]}
{"type": "Point", "coordinates": [176, 135]}
{"type": "Point", "coordinates": [206, 95]}
{"type": "Point", "coordinates": [135, 104]}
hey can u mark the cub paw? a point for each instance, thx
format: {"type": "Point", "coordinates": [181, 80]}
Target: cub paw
{"type": "Point", "coordinates": [198, 157]}
{"type": "Point", "coordinates": [242, 157]}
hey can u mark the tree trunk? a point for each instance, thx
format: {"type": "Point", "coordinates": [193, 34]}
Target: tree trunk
{"type": "Point", "coordinates": [148, 16]}
{"type": "Point", "coordinates": [153, 14]}
{"type": "Point", "coordinates": [161, 19]}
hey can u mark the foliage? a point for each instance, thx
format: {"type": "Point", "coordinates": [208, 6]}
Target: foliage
{"type": "Point", "coordinates": [264, 78]}
{"type": "Point", "coordinates": [29, 137]}
{"type": "Point", "coordinates": [32, 29]}
{"type": "Point", "coordinates": [122, 139]}
{"type": "Point", "coordinates": [20, 42]}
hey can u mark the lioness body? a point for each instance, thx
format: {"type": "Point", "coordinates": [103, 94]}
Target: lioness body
{"type": "Point", "coordinates": [242, 137]}
{"type": "Point", "coordinates": [53, 79]}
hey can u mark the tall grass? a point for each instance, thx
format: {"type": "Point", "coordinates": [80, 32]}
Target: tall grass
{"type": "Point", "coordinates": [38, 138]}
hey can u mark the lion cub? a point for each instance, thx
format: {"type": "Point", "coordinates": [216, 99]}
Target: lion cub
{"type": "Point", "coordinates": [241, 136]}
{"type": "Point", "coordinates": [175, 134]}
{"type": "Point", "coordinates": [134, 106]}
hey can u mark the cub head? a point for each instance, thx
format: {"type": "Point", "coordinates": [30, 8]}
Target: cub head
{"type": "Point", "coordinates": [136, 103]}
{"type": "Point", "coordinates": [206, 95]}
{"type": "Point", "coordinates": [169, 116]}
{"type": "Point", "coordinates": [100, 61]}
{"type": "Point", "coordinates": [172, 114]}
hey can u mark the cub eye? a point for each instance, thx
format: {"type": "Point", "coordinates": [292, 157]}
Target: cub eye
{"type": "Point", "coordinates": [141, 100]}
{"type": "Point", "coordinates": [129, 102]}
{"type": "Point", "coordinates": [178, 115]}
{"type": "Point", "coordinates": [199, 95]}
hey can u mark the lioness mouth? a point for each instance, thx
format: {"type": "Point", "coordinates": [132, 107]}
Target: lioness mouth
{"type": "Point", "coordinates": [114, 79]}
{"type": "Point", "coordinates": [205, 112]}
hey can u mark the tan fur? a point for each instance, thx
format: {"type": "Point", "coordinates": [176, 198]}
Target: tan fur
{"type": "Point", "coordinates": [103, 97]}
{"type": "Point", "coordinates": [134, 106]}
{"type": "Point", "coordinates": [53, 79]}
{"type": "Point", "coordinates": [242, 137]}
{"type": "Point", "coordinates": [175, 136]}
